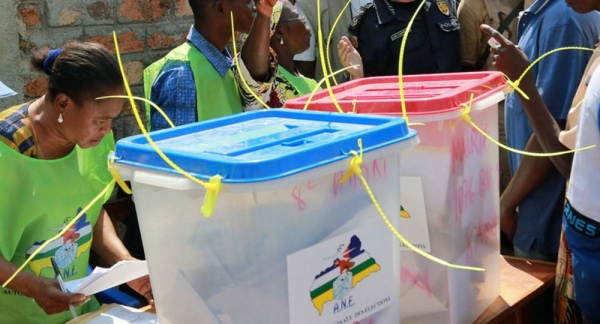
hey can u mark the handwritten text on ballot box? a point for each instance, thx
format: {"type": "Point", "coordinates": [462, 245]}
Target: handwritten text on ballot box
{"type": "Point", "coordinates": [280, 195]}
{"type": "Point", "coordinates": [454, 170]}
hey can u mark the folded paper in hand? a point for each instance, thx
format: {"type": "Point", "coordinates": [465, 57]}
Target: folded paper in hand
{"type": "Point", "coordinates": [101, 278]}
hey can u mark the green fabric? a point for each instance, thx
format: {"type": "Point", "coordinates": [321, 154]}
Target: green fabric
{"type": "Point", "coordinates": [150, 74]}
{"type": "Point", "coordinates": [302, 84]}
{"type": "Point", "coordinates": [38, 198]}
{"type": "Point", "coordinates": [216, 96]}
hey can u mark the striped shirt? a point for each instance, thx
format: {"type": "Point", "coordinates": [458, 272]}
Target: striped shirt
{"type": "Point", "coordinates": [15, 131]}
{"type": "Point", "coordinates": [174, 89]}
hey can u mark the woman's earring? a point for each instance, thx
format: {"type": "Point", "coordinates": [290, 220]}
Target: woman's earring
{"type": "Point", "coordinates": [60, 118]}
{"type": "Point", "coordinates": [281, 41]}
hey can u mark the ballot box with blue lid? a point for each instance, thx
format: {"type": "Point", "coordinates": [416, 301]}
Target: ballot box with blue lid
{"type": "Point", "coordinates": [287, 242]}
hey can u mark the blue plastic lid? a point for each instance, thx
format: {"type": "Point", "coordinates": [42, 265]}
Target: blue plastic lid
{"type": "Point", "coordinates": [262, 145]}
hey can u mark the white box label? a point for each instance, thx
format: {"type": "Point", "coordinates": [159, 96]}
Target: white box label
{"type": "Point", "coordinates": [344, 279]}
{"type": "Point", "coordinates": [413, 218]}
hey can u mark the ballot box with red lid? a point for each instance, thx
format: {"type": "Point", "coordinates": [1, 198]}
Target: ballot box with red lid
{"type": "Point", "coordinates": [449, 186]}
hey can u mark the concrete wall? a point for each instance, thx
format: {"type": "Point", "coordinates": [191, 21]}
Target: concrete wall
{"type": "Point", "coordinates": [146, 30]}
{"type": "Point", "coordinates": [10, 69]}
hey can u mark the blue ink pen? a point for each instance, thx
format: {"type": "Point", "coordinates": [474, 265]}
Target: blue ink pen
{"type": "Point", "coordinates": [62, 286]}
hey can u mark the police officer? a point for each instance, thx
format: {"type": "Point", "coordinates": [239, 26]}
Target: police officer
{"type": "Point", "coordinates": [432, 45]}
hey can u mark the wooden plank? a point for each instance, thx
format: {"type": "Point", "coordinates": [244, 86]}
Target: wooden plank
{"type": "Point", "coordinates": [521, 281]}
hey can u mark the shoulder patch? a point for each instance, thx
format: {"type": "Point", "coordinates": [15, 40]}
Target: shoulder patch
{"type": "Point", "coordinates": [443, 7]}
{"type": "Point", "coordinates": [359, 14]}
{"type": "Point", "coordinates": [449, 25]}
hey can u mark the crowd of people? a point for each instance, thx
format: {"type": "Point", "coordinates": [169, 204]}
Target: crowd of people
{"type": "Point", "coordinates": [547, 209]}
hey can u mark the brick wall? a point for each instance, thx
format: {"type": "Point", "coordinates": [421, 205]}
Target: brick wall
{"type": "Point", "coordinates": [146, 30]}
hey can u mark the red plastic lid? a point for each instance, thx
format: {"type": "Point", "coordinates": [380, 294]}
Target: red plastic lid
{"type": "Point", "coordinates": [424, 94]}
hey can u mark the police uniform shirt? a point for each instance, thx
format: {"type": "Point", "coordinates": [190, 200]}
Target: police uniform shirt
{"type": "Point", "coordinates": [432, 45]}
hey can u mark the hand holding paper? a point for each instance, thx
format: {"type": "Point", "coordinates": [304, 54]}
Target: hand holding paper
{"type": "Point", "coordinates": [102, 278]}
{"type": "Point", "coordinates": [143, 287]}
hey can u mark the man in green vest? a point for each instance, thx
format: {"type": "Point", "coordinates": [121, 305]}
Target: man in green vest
{"type": "Point", "coordinates": [194, 81]}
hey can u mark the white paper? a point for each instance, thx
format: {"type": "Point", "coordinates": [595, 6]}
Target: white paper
{"type": "Point", "coordinates": [122, 314]}
{"type": "Point", "coordinates": [101, 278]}
{"type": "Point", "coordinates": [413, 220]}
{"type": "Point", "coordinates": [5, 91]}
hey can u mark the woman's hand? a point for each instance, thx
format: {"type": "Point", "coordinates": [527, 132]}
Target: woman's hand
{"type": "Point", "coordinates": [143, 287]}
{"type": "Point", "coordinates": [47, 294]}
{"type": "Point", "coordinates": [350, 56]}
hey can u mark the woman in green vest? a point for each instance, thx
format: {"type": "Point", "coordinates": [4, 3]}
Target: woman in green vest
{"type": "Point", "coordinates": [290, 35]}
{"type": "Point", "coordinates": [53, 153]}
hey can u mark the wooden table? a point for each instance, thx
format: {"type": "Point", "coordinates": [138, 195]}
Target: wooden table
{"type": "Point", "coordinates": [520, 282]}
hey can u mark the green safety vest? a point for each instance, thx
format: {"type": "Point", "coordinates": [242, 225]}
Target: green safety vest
{"type": "Point", "coordinates": [39, 197]}
{"type": "Point", "coordinates": [302, 84]}
{"type": "Point", "coordinates": [216, 96]}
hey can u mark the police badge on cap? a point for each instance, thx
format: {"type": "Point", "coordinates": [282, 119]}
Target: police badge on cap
{"type": "Point", "coordinates": [443, 7]}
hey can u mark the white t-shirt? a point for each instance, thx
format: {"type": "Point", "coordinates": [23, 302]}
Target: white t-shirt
{"type": "Point", "coordinates": [309, 54]}
{"type": "Point", "coordinates": [584, 188]}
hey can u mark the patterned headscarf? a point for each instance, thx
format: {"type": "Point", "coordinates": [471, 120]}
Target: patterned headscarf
{"type": "Point", "coordinates": [276, 15]}
{"type": "Point", "coordinates": [277, 9]}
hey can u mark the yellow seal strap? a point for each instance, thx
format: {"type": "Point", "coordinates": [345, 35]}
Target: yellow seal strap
{"type": "Point", "coordinates": [213, 188]}
{"type": "Point", "coordinates": [401, 60]}
{"type": "Point", "coordinates": [239, 69]}
{"type": "Point", "coordinates": [318, 87]}
{"type": "Point", "coordinates": [162, 112]}
{"type": "Point", "coordinates": [355, 163]}
{"type": "Point", "coordinates": [328, 55]}
{"type": "Point", "coordinates": [115, 174]}
{"type": "Point", "coordinates": [566, 48]}
{"type": "Point", "coordinates": [153, 144]}
{"type": "Point", "coordinates": [322, 55]}
{"type": "Point", "coordinates": [355, 169]}
{"type": "Point", "coordinates": [111, 158]}
{"type": "Point", "coordinates": [467, 118]}
{"type": "Point", "coordinates": [514, 85]}
{"type": "Point", "coordinates": [155, 106]}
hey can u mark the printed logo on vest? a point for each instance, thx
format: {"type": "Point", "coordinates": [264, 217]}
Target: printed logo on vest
{"type": "Point", "coordinates": [65, 250]}
{"type": "Point", "coordinates": [580, 223]}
